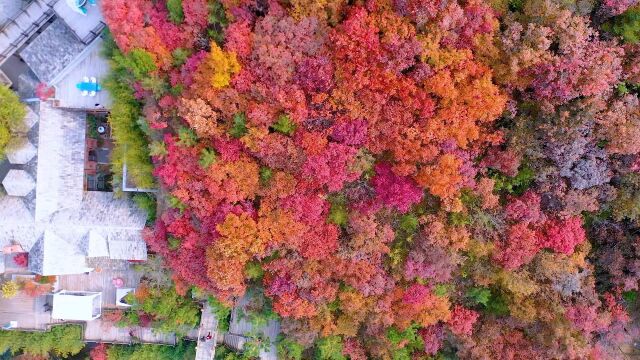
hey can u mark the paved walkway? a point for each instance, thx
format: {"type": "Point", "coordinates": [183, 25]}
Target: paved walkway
{"type": "Point", "coordinates": [27, 311]}
{"type": "Point", "coordinates": [240, 329]}
{"type": "Point", "coordinates": [100, 330]}
{"type": "Point", "coordinates": [206, 349]}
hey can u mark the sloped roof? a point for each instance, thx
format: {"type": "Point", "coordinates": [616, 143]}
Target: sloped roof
{"type": "Point", "coordinates": [16, 223]}
{"type": "Point", "coordinates": [20, 151]}
{"type": "Point", "coordinates": [50, 52]}
{"type": "Point", "coordinates": [60, 161]}
{"type": "Point", "coordinates": [69, 224]}
{"type": "Point", "coordinates": [51, 255]}
{"type": "Point", "coordinates": [98, 209]}
{"type": "Point", "coordinates": [127, 250]}
{"type": "Point", "coordinates": [96, 244]}
{"type": "Point", "coordinates": [18, 183]}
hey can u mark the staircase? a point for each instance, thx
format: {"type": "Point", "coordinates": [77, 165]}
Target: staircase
{"type": "Point", "coordinates": [17, 30]}
{"type": "Point", "coordinates": [206, 349]}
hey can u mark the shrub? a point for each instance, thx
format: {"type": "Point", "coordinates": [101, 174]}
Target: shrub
{"type": "Point", "coordinates": [131, 146]}
{"type": "Point", "coordinates": [330, 348]}
{"type": "Point", "coordinates": [44, 91]}
{"type": "Point", "coordinates": [10, 289]}
{"type": "Point", "coordinates": [170, 311]}
{"type": "Point", "coordinates": [60, 341]}
{"type": "Point", "coordinates": [182, 351]}
{"type": "Point", "coordinates": [147, 202]}
{"type": "Point", "coordinates": [33, 289]}
{"type": "Point", "coordinates": [21, 259]}
{"type": "Point", "coordinates": [176, 13]}
{"type": "Point", "coordinates": [289, 349]}
{"type": "Point", "coordinates": [626, 25]}
{"type": "Point", "coordinates": [99, 352]}
{"type": "Point", "coordinates": [222, 312]}
{"type": "Point", "coordinates": [12, 113]}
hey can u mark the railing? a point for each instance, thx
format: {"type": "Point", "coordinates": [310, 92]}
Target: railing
{"type": "Point", "coordinates": [27, 33]}
{"type": "Point", "coordinates": [94, 33]}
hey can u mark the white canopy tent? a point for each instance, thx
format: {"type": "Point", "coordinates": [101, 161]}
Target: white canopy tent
{"type": "Point", "coordinates": [77, 305]}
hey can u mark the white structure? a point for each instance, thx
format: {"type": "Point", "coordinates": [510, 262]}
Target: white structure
{"type": "Point", "coordinates": [18, 183]}
{"type": "Point", "coordinates": [60, 224]}
{"type": "Point", "coordinates": [120, 294]}
{"type": "Point", "coordinates": [20, 151]}
{"type": "Point", "coordinates": [63, 225]}
{"type": "Point", "coordinates": [76, 306]}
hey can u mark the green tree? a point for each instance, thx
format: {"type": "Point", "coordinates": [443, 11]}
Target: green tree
{"type": "Point", "coordinates": [148, 203]}
{"type": "Point", "coordinates": [182, 351]}
{"type": "Point", "coordinates": [171, 311]}
{"type": "Point", "coordinates": [330, 348]}
{"type": "Point", "coordinates": [12, 113]}
{"type": "Point", "coordinates": [284, 125]}
{"type": "Point", "coordinates": [61, 341]}
{"type": "Point", "coordinates": [626, 25]}
{"type": "Point", "coordinates": [176, 14]}
{"type": "Point", "coordinates": [404, 342]}
{"type": "Point", "coordinates": [222, 312]}
{"type": "Point", "coordinates": [131, 145]}
{"type": "Point", "coordinates": [138, 61]}
{"type": "Point", "coordinates": [239, 128]}
{"type": "Point", "coordinates": [289, 349]}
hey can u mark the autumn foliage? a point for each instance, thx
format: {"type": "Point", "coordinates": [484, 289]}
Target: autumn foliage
{"type": "Point", "coordinates": [399, 179]}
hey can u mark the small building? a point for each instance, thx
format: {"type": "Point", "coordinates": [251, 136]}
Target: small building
{"type": "Point", "coordinates": [76, 305]}
{"type": "Point", "coordinates": [60, 205]}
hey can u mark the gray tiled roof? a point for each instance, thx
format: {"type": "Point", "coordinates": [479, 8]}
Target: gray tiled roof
{"type": "Point", "coordinates": [69, 224]}
{"type": "Point", "coordinates": [53, 255]}
{"type": "Point", "coordinates": [8, 9]}
{"type": "Point", "coordinates": [50, 52]}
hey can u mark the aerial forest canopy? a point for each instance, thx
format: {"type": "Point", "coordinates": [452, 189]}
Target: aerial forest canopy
{"type": "Point", "coordinates": [399, 178]}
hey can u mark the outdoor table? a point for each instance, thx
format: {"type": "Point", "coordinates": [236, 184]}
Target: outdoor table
{"type": "Point", "coordinates": [117, 282]}
{"type": "Point", "coordinates": [88, 86]}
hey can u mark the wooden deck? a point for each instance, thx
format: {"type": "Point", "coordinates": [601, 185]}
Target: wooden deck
{"type": "Point", "coordinates": [240, 327]}
{"type": "Point", "coordinates": [206, 349]}
{"type": "Point", "coordinates": [103, 331]}
{"type": "Point", "coordinates": [81, 25]}
{"type": "Point", "coordinates": [100, 280]}
{"type": "Point", "coordinates": [27, 311]}
{"type": "Point", "coordinates": [88, 63]}
{"type": "Point", "coordinates": [31, 315]}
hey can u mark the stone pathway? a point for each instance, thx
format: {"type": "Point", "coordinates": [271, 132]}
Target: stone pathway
{"type": "Point", "coordinates": [206, 349]}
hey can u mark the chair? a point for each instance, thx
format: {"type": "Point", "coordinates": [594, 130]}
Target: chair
{"type": "Point", "coordinates": [92, 156]}
{"type": "Point", "coordinates": [10, 325]}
